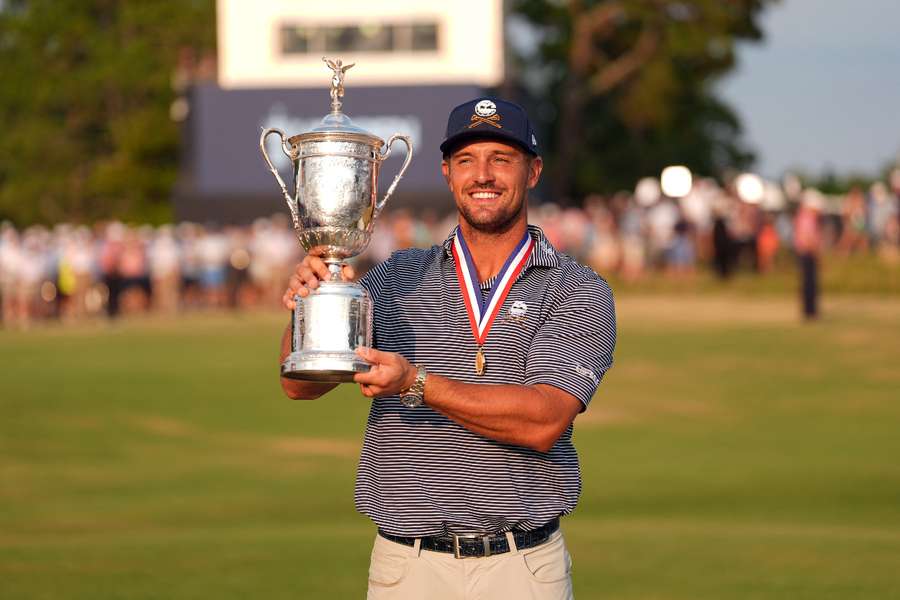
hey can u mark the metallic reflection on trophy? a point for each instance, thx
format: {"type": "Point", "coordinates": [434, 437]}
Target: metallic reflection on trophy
{"type": "Point", "coordinates": [333, 203]}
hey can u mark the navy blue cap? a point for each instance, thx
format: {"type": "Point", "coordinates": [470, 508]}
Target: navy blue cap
{"type": "Point", "coordinates": [490, 118]}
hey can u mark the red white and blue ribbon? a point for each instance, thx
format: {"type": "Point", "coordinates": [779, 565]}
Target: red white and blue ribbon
{"type": "Point", "coordinates": [482, 311]}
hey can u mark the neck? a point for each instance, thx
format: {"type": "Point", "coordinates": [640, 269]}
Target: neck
{"type": "Point", "coordinates": [490, 250]}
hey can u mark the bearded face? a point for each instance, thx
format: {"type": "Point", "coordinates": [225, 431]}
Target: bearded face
{"type": "Point", "coordinates": [490, 181]}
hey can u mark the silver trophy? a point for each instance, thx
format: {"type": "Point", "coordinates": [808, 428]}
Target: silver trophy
{"type": "Point", "coordinates": [333, 203]}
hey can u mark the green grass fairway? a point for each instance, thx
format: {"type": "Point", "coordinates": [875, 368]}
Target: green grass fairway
{"type": "Point", "coordinates": [732, 452]}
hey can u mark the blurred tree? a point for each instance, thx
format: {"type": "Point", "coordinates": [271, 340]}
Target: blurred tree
{"type": "Point", "coordinates": [625, 87]}
{"type": "Point", "coordinates": [831, 182]}
{"type": "Point", "coordinates": [85, 102]}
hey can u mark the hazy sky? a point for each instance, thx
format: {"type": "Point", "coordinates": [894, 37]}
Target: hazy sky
{"type": "Point", "coordinates": [823, 89]}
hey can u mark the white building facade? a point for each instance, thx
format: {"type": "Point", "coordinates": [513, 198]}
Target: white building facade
{"type": "Point", "coordinates": [280, 43]}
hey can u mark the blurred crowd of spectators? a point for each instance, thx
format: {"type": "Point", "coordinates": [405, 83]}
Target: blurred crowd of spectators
{"type": "Point", "coordinates": [70, 272]}
{"type": "Point", "coordinates": [75, 271]}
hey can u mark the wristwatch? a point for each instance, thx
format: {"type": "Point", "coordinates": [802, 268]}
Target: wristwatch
{"type": "Point", "coordinates": [415, 395]}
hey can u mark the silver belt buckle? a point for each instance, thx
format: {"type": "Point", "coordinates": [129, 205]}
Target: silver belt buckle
{"type": "Point", "coordinates": [485, 539]}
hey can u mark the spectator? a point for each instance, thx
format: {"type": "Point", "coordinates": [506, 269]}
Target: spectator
{"type": "Point", "coordinates": [881, 209]}
{"type": "Point", "coordinates": [213, 254]}
{"type": "Point", "coordinates": [807, 244]}
{"type": "Point", "coordinates": [165, 270]}
{"type": "Point", "coordinates": [766, 245]}
{"type": "Point", "coordinates": [853, 223]}
{"type": "Point", "coordinates": [111, 246]}
{"type": "Point", "coordinates": [10, 273]}
{"type": "Point", "coordinates": [134, 274]}
{"type": "Point", "coordinates": [76, 272]}
{"type": "Point", "coordinates": [723, 245]}
{"type": "Point", "coordinates": [680, 256]}
{"type": "Point", "coordinates": [661, 220]}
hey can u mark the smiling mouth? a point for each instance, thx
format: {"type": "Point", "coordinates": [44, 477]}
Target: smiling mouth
{"type": "Point", "coordinates": [485, 195]}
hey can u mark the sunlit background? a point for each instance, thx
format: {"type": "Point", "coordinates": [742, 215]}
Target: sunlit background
{"type": "Point", "coordinates": [731, 168]}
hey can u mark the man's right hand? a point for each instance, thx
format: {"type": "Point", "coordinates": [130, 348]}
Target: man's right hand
{"type": "Point", "coordinates": [307, 276]}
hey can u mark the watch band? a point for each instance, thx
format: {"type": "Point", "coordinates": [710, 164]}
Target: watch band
{"type": "Point", "coordinates": [415, 395]}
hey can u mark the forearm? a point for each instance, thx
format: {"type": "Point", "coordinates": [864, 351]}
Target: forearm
{"type": "Point", "coordinates": [530, 416]}
{"type": "Point", "coordinates": [297, 389]}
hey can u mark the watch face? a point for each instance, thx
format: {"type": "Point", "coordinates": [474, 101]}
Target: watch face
{"type": "Point", "coordinates": [411, 400]}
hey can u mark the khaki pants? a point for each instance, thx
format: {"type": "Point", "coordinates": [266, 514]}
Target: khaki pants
{"type": "Point", "coordinates": [408, 573]}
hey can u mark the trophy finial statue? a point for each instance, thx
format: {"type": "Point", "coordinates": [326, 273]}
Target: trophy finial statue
{"type": "Point", "coordinates": [337, 82]}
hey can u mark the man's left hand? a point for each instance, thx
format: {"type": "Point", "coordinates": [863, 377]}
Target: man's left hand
{"type": "Point", "coordinates": [390, 373]}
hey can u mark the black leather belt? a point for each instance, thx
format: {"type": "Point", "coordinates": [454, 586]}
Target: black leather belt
{"type": "Point", "coordinates": [476, 545]}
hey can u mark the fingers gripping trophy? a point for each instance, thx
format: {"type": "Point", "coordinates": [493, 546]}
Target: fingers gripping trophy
{"type": "Point", "coordinates": [333, 203]}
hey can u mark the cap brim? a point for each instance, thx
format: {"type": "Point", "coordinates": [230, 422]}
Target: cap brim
{"type": "Point", "coordinates": [454, 141]}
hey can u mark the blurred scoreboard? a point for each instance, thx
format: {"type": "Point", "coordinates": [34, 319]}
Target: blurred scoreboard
{"type": "Point", "coordinates": [415, 60]}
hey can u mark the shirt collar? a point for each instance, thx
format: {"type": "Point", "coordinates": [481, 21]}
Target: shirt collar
{"type": "Point", "coordinates": [543, 255]}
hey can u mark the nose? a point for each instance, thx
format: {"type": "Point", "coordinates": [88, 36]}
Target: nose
{"type": "Point", "coordinates": [485, 174]}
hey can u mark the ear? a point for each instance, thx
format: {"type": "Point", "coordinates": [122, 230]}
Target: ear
{"type": "Point", "coordinates": [535, 167]}
{"type": "Point", "coordinates": [445, 171]}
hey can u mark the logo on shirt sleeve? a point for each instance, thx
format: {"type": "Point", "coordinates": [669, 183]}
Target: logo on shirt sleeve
{"type": "Point", "coordinates": [587, 374]}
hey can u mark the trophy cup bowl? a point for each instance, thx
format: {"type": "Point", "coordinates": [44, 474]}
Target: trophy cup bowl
{"type": "Point", "coordinates": [333, 204]}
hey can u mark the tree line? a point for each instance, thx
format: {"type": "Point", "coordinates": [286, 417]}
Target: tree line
{"type": "Point", "coordinates": [618, 89]}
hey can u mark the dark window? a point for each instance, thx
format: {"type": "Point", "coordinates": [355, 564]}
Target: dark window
{"type": "Point", "coordinates": [424, 37]}
{"type": "Point", "coordinates": [369, 37]}
{"type": "Point", "coordinates": [375, 38]}
{"type": "Point", "coordinates": [340, 39]}
{"type": "Point", "coordinates": [295, 40]}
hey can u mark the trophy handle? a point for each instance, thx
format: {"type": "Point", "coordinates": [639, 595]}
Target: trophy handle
{"type": "Point", "coordinates": [409, 150]}
{"type": "Point", "coordinates": [287, 151]}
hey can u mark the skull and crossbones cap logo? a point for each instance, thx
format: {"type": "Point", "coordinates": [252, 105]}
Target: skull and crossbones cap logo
{"type": "Point", "coordinates": [489, 118]}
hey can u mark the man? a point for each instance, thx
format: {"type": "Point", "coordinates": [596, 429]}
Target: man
{"type": "Point", "coordinates": [808, 244]}
{"type": "Point", "coordinates": [488, 346]}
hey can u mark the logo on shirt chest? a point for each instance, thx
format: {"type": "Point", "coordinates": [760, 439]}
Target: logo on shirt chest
{"type": "Point", "coordinates": [516, 313]}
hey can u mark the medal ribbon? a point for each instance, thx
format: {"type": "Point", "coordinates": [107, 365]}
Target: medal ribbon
{"type": "Point", "coordinates": [482, 311]}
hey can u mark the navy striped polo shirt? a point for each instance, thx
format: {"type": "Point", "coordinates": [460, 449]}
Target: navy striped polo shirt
{"type": "Point", "coordinates": [421, 473]}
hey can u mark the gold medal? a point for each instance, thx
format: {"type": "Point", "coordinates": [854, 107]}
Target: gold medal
{"type": "Point", "coordinates": [480, 362]}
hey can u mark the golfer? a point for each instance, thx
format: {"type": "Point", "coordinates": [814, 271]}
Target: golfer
{"type": "Point", "coordinates": [486, 349]}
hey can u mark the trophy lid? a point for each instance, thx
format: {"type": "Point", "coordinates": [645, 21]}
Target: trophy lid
{"type": "Point", "coordinates": [336, 124]}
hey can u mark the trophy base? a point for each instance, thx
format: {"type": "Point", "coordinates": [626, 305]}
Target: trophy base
{"type": "Point", "coordinates": [335, 367]}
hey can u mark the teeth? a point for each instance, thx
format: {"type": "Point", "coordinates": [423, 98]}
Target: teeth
{"type": "Point", "coordinates": [485, 195]}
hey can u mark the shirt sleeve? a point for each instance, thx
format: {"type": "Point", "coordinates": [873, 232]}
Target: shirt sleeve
{"type": "Point", "coordinates": [374, 281]}
{"type": "Point", "coordinates": [574, 347]}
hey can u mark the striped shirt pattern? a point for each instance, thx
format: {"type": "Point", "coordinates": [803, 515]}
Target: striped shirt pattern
{"type": "Point", "coordinates": [421, 473]}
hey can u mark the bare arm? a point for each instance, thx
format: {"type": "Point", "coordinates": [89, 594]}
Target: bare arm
{"type": "Point", "coordinates": [533, 416]}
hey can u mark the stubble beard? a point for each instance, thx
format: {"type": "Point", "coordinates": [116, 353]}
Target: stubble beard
{"type": "Point", "coordinates": [494, 222]}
